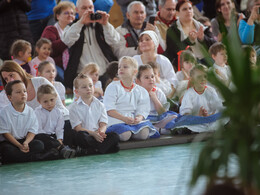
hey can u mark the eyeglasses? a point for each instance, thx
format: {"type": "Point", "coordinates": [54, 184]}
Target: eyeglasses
{"type": "Point", "coordinates": [69, 13]}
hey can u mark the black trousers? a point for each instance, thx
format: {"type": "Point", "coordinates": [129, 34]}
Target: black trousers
{"type": "Point", "coordinates": [82, 139]}
{"type": "Point", "coordinates": [12, 154]}
{"type": "Point", "coordinates": [49, 141]}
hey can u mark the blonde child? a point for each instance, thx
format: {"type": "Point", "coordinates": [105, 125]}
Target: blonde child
{"type": "Point", "coordinates": [92, 70]}
{"type": "Point", "coordinates": [42, 53]}
{"type": "Point", "coordinates": [47, 70]}
{"type": "Point", "coordinates": [21, 52]}
{"type": "Point", "coordinates": [219, 54]}
{"type": "Point", "coordinates": [200, 100]}
{"type": "Point", "coordinates": [51, 122]}
{"type": "Point", "coordinates": [88, 119]}
{"type": "Point", "coordinates": [158, 100]}
{"type": "Point", "coordinates": [18, 124]}
{"type": "Point", "coordinates": [128, 104]}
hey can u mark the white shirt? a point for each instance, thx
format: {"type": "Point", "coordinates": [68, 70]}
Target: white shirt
{"type": "Point", "coordinates": [130, 104]}
{"type": "Point", "coordinates": [162, 98]}
{"type": "Point", "coordinates": [180, 76]}
{"type": "Point", "coordinates": [91, 51]}
{"type": "Point", "coordinates": [50, 122]}
{"type": "Point", "coordinates": [192, 101]}
{"type": "Point", "coordinates": [166, 68]}
{"type": "Point", "coordinates": [165, 86]}
{"type": "Point", "coordinates": [4, 101]}
{"type": "Point", "coordinates": [88, 116]}
{"type": "Point", "coordinates": [18, 123]}
{"type": "Point", "coordinates": [34, 63]}
{"type": "Point", "coordinates": [225, 72]}
{"type": "Point", "coordinates": [60, 89]}
{"type": "Point", "coordinates": [37, 82]}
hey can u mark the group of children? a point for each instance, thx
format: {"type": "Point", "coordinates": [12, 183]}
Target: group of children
{"type": "Point", "coordinates": [135, 94]}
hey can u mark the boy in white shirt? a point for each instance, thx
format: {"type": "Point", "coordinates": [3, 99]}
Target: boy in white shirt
{"type": "Point", "coordinates": [51, 122]}
{"type": "Point", "coordinates": [219, 54]}
{"type": "Point", "coordinates": [88, 119]}
{"type": "Point", "coordinates": [18, 124]}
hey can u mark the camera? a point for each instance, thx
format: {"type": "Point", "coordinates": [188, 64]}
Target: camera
{"type": "Point", "coordinates": [95, 16]}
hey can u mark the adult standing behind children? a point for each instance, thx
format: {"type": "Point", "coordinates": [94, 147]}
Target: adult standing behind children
{"type": "Point", "coordinates": [186, 31]}
{"type": "Point", "coordinates": [164, 18]}
{"type": "Point", "coordinates": [64, 14]}
{"type": "Point", "coordinates": [10, 71]}
{"type": "Point", "coordinates": [89, 40]}
{"type": "Point", "coordinates": [40, 16]}
{"type": "Point", "coordinates": [13, 25]}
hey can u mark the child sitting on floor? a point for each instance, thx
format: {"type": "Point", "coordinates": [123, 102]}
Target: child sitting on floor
{"type": "Point", "coordinates": [51, 122]}
{"type": "Point", "coordinates": [158, 100]}
{"type": "Point", "coordinates": [21, 52]}
{"type": "Point", "coordinates": [128, 104]}
{"type": "Point", "coordinates": [200, 100]}
{"type": "Point", "coordinates": [88, 119]}
{"type": "Point", "coordinates": [47, 70]}
{"type": "Point", "coordinates": [187, 61]}
{"type": "Point", "coordinates": [18, 124]}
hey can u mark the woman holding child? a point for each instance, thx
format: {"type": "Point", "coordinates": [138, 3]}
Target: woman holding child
{"type": "Point", "coordinates": [187, 32]}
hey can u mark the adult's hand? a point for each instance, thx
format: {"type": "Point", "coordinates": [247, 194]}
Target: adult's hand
{"type": "Point", "coordinates": [104, 19]}
{"type": "Point", "coordinates": [254, 15]}
{"type": "Point", "coordinates": [149, 26]}
{"type": "Point", "coordinates": [85, 18]}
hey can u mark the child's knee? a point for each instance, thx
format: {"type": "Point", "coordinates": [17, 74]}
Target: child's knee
{"type": "Point", "coordinates": [125, 136]}
{"type": "Point", "coordinates": [142, 135]}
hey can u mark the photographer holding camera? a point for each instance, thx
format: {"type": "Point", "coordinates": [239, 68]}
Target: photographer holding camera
{"type": "Point", "coordinates": [89, 40]}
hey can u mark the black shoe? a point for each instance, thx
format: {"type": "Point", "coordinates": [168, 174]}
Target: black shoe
{"type": "Point", "coordinates": [67, 152]}
{"type": "Point", "coordinates": [52, 154]}
{"type": "Point", "coordinates": [81, 151]}
{"type": "Point", "coordinates": [181, 131]}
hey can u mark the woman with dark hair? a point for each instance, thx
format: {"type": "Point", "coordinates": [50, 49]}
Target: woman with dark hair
{"type": "Point", "coordinates": [186, 32]}
{"type": "Point", "coordinates": [221, 23]}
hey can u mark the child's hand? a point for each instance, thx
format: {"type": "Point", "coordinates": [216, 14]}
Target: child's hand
{"type": "Point", "coordinates": [97, 137]}
{"type": "Point", "coordinates": [129, 120]}
{"type": "Point", "coordinates": [24, 148]}
{"type": "Point", "coordinates": [203, 112]}
{"type": "Point", "coordinates": [152, 94]}
{"type": "Point", "coordinates": [186, 75]}
{"type": "Point", "coordinates": [138, 119]}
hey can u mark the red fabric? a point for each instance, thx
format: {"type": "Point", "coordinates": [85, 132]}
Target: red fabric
{"type": "Point", "coordinates": [179, 57]}
{"type": "Point", "coordinates": [164, 21]}
{"type": "Point", "coordinates": [160, 50]}
{"type": "Point", "coordinates": [58, 47]}
{"type": "Point", "coordinates": [1, 88]}
{"type": "Point", "coordinates": [127, 35]}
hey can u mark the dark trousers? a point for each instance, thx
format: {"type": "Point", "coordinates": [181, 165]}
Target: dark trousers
{"type": "Point", "coordinates": [12, 154]}
{"type": "Point", "coordinates": [49, 141]}
{"type": "Point", "coordinates": [82, 139]}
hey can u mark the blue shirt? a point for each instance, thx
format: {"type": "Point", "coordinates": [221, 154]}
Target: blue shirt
{"type": "Point", "coordinates": [41, 9]}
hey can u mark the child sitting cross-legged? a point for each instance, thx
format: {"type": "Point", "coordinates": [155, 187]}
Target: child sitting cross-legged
{"type": "Point", "coordinates": [128, 104]}
{"type": "Point", "coordinates": [51, 122]}
{"type": "Point", "coordinates": [18, 124]}
{"type": "Point", "coordinates": [88, 119]}
{"type": "Point", "coordinates": [158, 100]}
{"type": "Point", "coordinates": [200, 100]}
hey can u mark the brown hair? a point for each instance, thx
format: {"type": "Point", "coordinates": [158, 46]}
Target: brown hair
{"type": "Point", "coordinates": [141, 69]}
{"type": "Point", "coordinates": [200, 67]}
{"type": "Point", "coordinates": [19, 45]}
{"type": "Point", "coordinates": [40, 43]}
{"type": "Point", "coordinates": [216, 47]}
{"type": "Point", "coordinates": [12, 66]}
{"type": "Point", "coordinates": [90, 68]}
{"type": "Point", "coordinates": [45, 89]}
{"type": "Point", "coordinates": [62, 6]}
{"type": "Point", "coordinates": [180, 3]}
{"type": "Point", "coordinates": [80, 76]}
{"type": "Point", "coordinates": [187, 56]}
{"type": "Point", "coordinates": [9, 86]}
{"type": "Point", "coordinates": [43, 64]}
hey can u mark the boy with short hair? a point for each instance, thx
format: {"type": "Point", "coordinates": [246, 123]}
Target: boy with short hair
{"type": "Point", "coordinates": [51, 122]}
{"type": "Point", "coordinates": [18, 124]}
{"type": "Point", "coordinates": [219, 54]}
{"type": "Point", "coordinates": [88, 119]}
